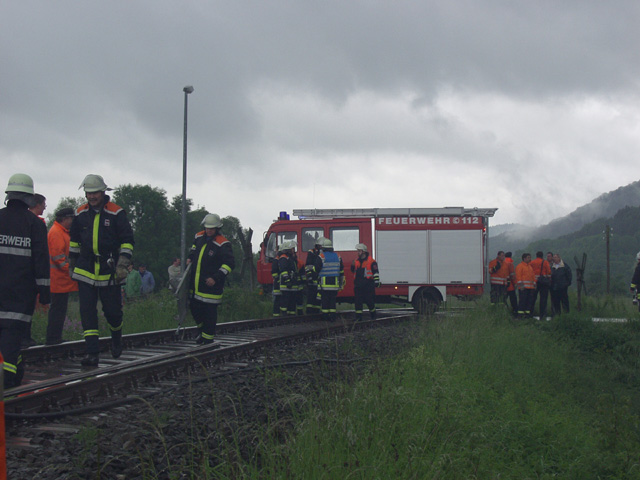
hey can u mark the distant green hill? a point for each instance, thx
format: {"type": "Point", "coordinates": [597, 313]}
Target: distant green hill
{"type": "Point", "coordinates": [516, 237]}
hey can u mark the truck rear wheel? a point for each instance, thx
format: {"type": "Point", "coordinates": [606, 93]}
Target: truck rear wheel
{"type": "Point", "coordinates": [426, 302]}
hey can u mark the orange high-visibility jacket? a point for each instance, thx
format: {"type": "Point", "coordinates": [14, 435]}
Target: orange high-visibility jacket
{"type": "Point", "coordinates": [512, 275]}
{"type": "Point", "coordinates": [58, 239]}
{"type": "Point", "coordinates": [540, 265]}
{"type": "Point", "coordinates": [500, 276]}
{"type": "Point", "coordinates": [525, 277]}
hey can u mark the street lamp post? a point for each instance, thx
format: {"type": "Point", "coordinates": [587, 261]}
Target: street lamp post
{"type": "Point", "coordinates": [183, 230]}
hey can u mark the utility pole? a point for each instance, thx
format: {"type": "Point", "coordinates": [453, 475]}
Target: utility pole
{"type": "Point", "coordinates": [607, 236]}
{"type": "Point", "coordinates": [183, 223]}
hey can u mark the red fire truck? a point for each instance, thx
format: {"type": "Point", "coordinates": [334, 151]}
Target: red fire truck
{"type": "Point", "coordinates": [424, 254]}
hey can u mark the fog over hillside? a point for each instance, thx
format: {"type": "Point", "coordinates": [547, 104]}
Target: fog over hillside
{"type": "Point", "coordinates": [513, 236]}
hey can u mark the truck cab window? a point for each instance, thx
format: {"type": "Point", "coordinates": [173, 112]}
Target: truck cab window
{"type": "Point", "coordinates": [310, 236]}
{"type": "Point", "coordinates": [286, 237]}
{"type": "Point", "coordinates": [345, 239]}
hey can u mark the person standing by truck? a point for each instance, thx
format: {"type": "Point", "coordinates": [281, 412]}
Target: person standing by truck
{"type": "Point", "coordinates": [331, 279]}
{"type": "Point", "coordinates": [287, 275]}
{"type": "Point", "coordinates": [366, 277]}
{"type": "Point", "coordinates": [312, 269]}
{"type": "Point", "coordinates": [499, 278]}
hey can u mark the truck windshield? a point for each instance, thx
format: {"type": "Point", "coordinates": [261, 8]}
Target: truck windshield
{"type": "Point", "coordinates": [277, 239]}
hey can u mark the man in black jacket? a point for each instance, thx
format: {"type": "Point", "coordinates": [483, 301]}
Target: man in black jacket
{"type": "Point", "coordinates": [560, 281]}
{"type": "Point", "coordinates": [24, 263]}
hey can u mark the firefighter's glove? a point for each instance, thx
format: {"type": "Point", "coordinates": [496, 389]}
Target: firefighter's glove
{"type": "Point", "coordinates": [122, 268]}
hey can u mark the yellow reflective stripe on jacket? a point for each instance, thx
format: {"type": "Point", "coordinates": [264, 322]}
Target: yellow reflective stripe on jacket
{"type": "Point", "coordinates": [74, 247]}
{"type": "Point", "coordinates": [198, 293]}
{"type": "Point", "coordinates": [92, 276]}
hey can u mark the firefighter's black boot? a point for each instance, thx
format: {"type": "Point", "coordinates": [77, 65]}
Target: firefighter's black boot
{"type": "Point", "coordinates": [116, 345]}
{"type": "Point", "coordinates": [90, 360]}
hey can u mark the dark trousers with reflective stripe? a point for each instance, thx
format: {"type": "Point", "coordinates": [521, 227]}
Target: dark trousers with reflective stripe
{"type": "Point", "coordinates": [288, 305]}
{"type": "Point", "coordinates": [111, 300]}
{"type": "Point", "coordinates": [329, 301]}
{"type": "Point", "coordinates": [365, 294]}
{"type": "Point", "coordinates": [313, 300]}
{"type": "Point", "coordinates": [11, 334]}
{"type": "Point", "coordinates": [57, 315]}
{"type": "Point", "coordinates": [205, 316]}
{"type": "Point", "coordinates": [525, 302]}
{"type": "Point", "coordinates": [277, 301]}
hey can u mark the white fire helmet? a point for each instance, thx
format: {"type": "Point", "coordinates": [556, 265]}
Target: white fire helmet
{"type": "Point", "coordinates": [361, 246]}
{"type": "Point", "coordinates": [212, 220]}
{"type": "Point", "coordinates": [20, 182]}
{"type": "Point", "coordinates": [93, 183]}
{"type": "Point", "coordinates": [327, 243]}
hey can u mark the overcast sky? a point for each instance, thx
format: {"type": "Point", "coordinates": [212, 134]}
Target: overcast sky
{"type": "Point", "coordinates": [532, 107]}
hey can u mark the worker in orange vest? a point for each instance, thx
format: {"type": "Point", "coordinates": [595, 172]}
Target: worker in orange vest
{"type": "Point", "coordinates": [526, 285]}
{"type": "Point", "coordinates": [542, 271]}
{"type": "Point", "coordinates": [366, 277]}
{"type": "Point", "coordinates": [511, 284]}
{"type": "Point", "coordinates": [61, 282]}
{"type": "Point", "coordinates": [498, 277]}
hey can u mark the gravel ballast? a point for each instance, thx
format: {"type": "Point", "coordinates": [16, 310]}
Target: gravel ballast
{"type": "Point", "coordinates": [183, 428]}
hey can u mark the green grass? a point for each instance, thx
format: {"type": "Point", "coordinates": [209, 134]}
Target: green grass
{"type": "Point", "coordinates": [474, 396]}
{"type": "Point", "coordinates": [157, 312]}
{"type": "Point", "coordinates": [477, 397]}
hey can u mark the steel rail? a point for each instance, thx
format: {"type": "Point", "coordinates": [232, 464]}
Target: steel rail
{"type": "Point", "coordinates": [126, 378]}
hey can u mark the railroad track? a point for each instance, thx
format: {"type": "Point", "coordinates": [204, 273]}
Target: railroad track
{"type": "Point", "coordinates": [56, 385]}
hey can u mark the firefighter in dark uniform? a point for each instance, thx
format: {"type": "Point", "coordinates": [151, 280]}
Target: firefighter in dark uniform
{"type": "Point", "coordinates": [312, 269]}
{"type": "Point", "coordinates": [299, 283]}
{"type": "Point", "coordinates": [24, 254]}
{"type": "Point", "coordinates": [276, 293]}
{"type": "Point", "coordinates": [366, 278]}
{"type": "Point", "coordinates": [331, 279]}
{"type": "Point", "coordinates": [288, 273]}
{"type": "Point", "coordinates": [212, 260]}
{"type": "Point", "coordinates": [100, 249]}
